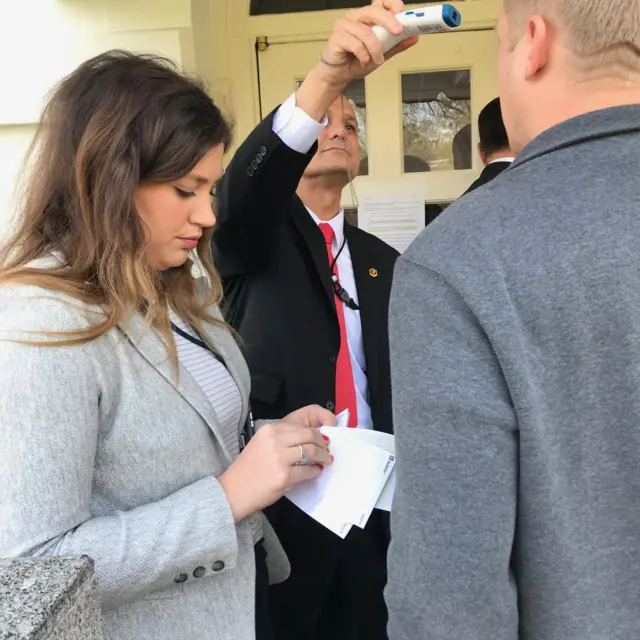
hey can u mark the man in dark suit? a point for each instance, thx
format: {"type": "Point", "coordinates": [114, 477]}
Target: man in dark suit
{"type": "Point", "coordinates": [494, 149]}
{"type": "Point", "coordinates": [309, 297]}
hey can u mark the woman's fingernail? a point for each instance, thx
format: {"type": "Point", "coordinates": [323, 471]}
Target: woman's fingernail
{"type": "Point", "coordinates": [321, 467]}
{"type": "Point", "coordinates": [332, 458]}
{"type": "Point", "coordinates": [325, 437]}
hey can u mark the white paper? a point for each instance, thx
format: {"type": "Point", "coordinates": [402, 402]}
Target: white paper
{"type": "Point", "coordinates": [385, 501]}
{"type": "Point", "coordinates": [387, 442]}
{"type": "Point", "coordinates": [346, 492]}
{"type": "Point", "coordinates": [342, 419]}
{"type": "Point", "coordinates": [392, 210]}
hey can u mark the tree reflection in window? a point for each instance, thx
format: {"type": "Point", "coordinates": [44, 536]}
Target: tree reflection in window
{"type": "Point", "coordinates": [436, 121]}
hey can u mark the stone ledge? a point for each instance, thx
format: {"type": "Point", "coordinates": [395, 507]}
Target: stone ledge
{"type": "Point", "coordinates": [48, 599]}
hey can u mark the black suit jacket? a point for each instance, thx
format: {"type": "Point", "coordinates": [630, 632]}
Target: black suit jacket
{"type": "Point", "coordinates": [277, 284]}
{"type": "Point", "coordinates": [490, 172]}
{"type": "Point", "coordinates": [279, 297]}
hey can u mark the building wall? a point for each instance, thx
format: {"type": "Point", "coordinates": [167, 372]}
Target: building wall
{"type": "Point", "coordinates": [43, 40]}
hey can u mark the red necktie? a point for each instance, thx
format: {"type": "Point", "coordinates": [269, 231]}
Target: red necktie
{"type": "Point", "coordinates": [345, 386]}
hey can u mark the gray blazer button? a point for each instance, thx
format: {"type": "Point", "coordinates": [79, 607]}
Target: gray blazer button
{"type": "Point", "coordinates": [330, 405]}
{"type": "Point", "coordinates": [259, 158]}
{"type": "Point", "coordinates": [218, 566]}
{"type": "Point", "coordinates": [181, 577]}
{"type": "Point", "coordinates": [250, 171]}
{"type": "Point", "coordinates": [198, 572]}
{"type": "Point", "coordinates": [263, 151]}
{"type": "Point", "coordinates": [254, 164]}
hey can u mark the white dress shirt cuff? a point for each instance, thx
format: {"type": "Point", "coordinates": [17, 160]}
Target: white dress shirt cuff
{"type": "Point", "coordinates": [295, 128]}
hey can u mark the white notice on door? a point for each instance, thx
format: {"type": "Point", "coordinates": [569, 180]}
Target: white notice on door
{"type": "Point", "coordinates": [395, 213]}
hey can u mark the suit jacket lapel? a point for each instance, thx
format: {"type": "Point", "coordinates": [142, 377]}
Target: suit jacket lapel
{"type": "Point", "coordinates": [369, 298]}
{"type": "Point", "coordinates": [151, 346]}
{"type": "Point", "coordinates": [315, 243]}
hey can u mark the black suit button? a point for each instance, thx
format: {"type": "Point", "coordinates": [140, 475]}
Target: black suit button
{"type": "Point", "coordinates": [218, 566]}
{"type": "Point", "coordinates": [198, 572]}
{"type": "Point", "coordinates": [263, 151]}
{"type": "Point", "coordinates": [330, 405]}
{"type": "Point", "coordinates": [181, 577]}
{"type": "Point", "coordinates": [250, 171]}
{"type": "Point", "coordinates": [332, 359]}
{"type": "Point", "coordinates": [254, 164]}
{"type": "Point", "coordinates": [259, 158]}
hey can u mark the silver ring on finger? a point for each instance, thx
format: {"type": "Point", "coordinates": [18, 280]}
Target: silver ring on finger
{"type": "Point", "coordinates": [303, 457]}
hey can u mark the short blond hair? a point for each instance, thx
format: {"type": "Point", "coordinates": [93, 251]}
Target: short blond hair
{"type": "Point", "coordinates": [602, 35]}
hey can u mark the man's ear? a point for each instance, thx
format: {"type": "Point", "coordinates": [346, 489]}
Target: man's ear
{"type": "Point", "coordinates": [538, 38]}
{"type": "Point", "coordinates": [483, 158]}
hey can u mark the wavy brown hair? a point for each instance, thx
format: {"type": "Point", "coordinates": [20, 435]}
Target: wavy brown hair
{"type": "Point", "coordinates": [118, 121]}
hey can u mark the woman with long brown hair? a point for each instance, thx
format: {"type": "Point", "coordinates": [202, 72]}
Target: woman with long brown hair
{"type": "Point", "coordinates": [123, 394]}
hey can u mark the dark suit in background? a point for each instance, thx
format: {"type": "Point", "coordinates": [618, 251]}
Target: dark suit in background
{"type": "Point", "coordinates": [491, 171]}
{"type": "Point", "coordinates": [278, 295]}
{"type": "Point", "coordinates": [493, 148]}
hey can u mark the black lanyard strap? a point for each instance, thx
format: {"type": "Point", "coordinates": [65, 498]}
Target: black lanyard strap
{"type": "Point", "coordinates": [249, 428]}
{"type": "Point", "coordinates": [340, 291]}
{"type": "Point", "coordinates": [198, 342]}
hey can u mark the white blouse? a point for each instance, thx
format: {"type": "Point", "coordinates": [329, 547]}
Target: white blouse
{"type": "Point", "coordinates": [221, 390]}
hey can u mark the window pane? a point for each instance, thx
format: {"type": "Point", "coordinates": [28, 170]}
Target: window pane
{"type": "Point", "coordinates": [263, 7]}
{"type": "Point", "coordinates": [437, 121]}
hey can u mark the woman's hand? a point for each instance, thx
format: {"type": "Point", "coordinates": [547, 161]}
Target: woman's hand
{"type": "Point", "coordinates": [279, 456]}
{"type": "Point", "coordinates": [313, 416]}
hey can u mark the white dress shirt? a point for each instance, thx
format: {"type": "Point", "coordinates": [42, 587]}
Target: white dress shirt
{"type": "Point", "coordinates": [504, 159]}
{"type": "Point", "coordinates": [299, 132]}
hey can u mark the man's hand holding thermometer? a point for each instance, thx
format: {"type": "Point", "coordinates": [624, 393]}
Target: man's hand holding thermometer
{"type": "Point", "coordinates": [361, 42]}
{"type": "Point", "coordinates": [354, 50]}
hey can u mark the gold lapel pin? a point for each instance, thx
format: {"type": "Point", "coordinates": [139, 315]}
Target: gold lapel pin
{"type": "Point", "coordinates": [373, 273]}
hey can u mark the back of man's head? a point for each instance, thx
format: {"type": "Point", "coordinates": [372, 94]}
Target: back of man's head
{"type": "Point", "coordinates": [562, 58]}
{"type": "Point", "coordinates": [602, 35]}
{"type": "Point", "coordinates": [494, 141]}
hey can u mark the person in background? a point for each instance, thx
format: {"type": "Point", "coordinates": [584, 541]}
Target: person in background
{"type": "Point", "coordinates": [515, 357]}
{"type": "Point", "coordinates": [123, 394]}
{"type": "Point", "coordinates": [493, 148]}
{"type": "Point", "coordinates": [309, 297]}
{"type": "Point", "coordinates": [461, 148]}
{"type": "Point", "coordinates": [415, 164]}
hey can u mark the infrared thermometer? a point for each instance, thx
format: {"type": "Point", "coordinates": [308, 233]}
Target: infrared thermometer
{"type": "Point", "coordinates": [418, 22]}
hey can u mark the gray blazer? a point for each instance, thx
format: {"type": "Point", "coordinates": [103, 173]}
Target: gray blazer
{"type": "Point", "coordinates": [104, 454]}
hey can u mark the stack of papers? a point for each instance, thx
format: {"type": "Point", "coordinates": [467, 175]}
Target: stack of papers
{"type": "Point", "coordinates": [361, 478]}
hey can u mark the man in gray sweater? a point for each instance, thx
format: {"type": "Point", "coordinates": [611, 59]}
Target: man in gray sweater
{"type": "Point", "coordinates": [515, 353]}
